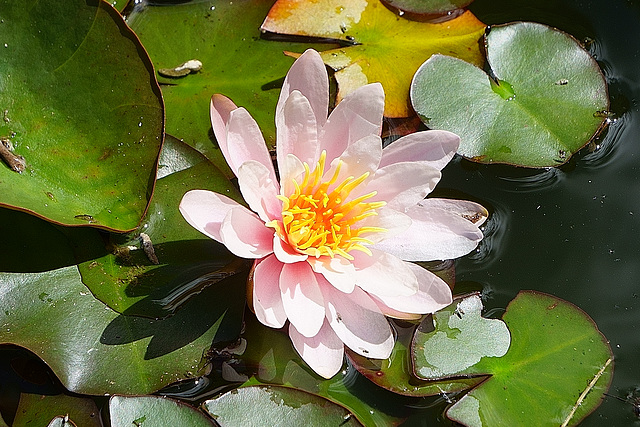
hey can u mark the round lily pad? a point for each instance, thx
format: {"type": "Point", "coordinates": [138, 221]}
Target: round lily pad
{"type": "Point", "coordinates": [544, 98]}
{"type": "Point", "coordinates": [428, 9]}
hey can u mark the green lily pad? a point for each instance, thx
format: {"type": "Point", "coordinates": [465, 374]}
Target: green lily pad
{"type": "Point", "coordinates": [55, 316]}
{"type": "Point", "coordinates": [152, 411]}
{"type": "Point", "coordinates": [555, 372]}
{"type": "Point", "coordinates": [81, 105]}
{"type": "Point", "coordinates": [383, 47]}
{"type": "Point", "coordinates": [236, 62]}
{"type": "Point", "coordinates": [154, 275]}
{"type": "Point", "coordinates": [40, 410]}
{"type": "Point", "coordinates": [546, 100]}
{"type": "Point", "coordinates": [258, 406]}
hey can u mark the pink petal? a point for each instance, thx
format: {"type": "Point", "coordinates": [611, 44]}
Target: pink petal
{"type": "Point", "coordinates": [383, 274]}
{"type": "Point", "coordinates": [437, 147]}
{"type": "Point", "coordinates": [392, 221]}
{"type": "Point", "coordinates": [291, 169]}
{"type": "Point", "coordinates": [358, 322]}
{"type": "Point", "coordinates": [267, 302]}
{"type": "Point", "coordinates": [358, 115]}
{"type": "Point", "coordinates": [308, 75]}
{"type": "Point", "coordinates": [245, 235]}
{"type": "Point", "coordinates": [285, 253]}
{"type": "Point", "coordinates": [259, 190]}
{"type": "Point", "coordinates": [238, 135]}
{"type": "Point", "coordinates": [205, 211]}
{"type": "Point", "coordinates": [433, 294]}
{"type": "Point", "coordinates": [323, 353]}
{"type": "Point", "coordinates": [362, 156]}
{"type": "Point", "coordinates": [403, 184]}
{"type": "Point", "coordinates": [438, 231]}
{"type": "Point", "coordinates": [338, 271]}
{"type": "Point", "coordinates": [302, 299]}
{"type": "Point", "coordinates": [297, 132]}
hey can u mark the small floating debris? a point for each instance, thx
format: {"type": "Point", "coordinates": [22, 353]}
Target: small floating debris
{"type": "Point", "coordinates": [87, 218]}
{"type": "Point", "coordinates": [147, 246]}
{"type": "Point", "coordinates": [15, 162]}
{"type": "Point", "coordinates": [191, 66]}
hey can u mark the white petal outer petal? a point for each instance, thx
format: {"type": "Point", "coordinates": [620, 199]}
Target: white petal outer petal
{"type": "Point", "coordinates": [440, 229]}
{"type": "Point", "coordinates": [259, 190]}
{"type": "Point", "coordinates": [358, 322]}
{"type": "Point", "coordinates": [383, 274]}
{"type": "Point", "coordinates": [285, 253]}
{"type": "Point", "coordinates": [392, 221]}
{"type": "Point", "coordinates": [238, 134]}
{"type": "Point", "coordinates": [205, 211]}
{"type": "Point", "coordinates": [338, 271]}
{"type": "Point", "coordinates": [324, 353]}
{"type": "Point", "coordinates": [267, 300]}
{"type": "Point", "coordinates": [297, 132]}
{"type": "Point", "coordinates": [245, 235]}
{"type": "Point", "coordinates": [433, 294]}
{"type": "Point", "coordinates": [437, 147]}
{"type": "Point", "coordinates": [302, 299]}
{"type": "Point", "coordinates": [358, 115]}
{"type": "Point", "coordinates": [308, 75]}
{"type": "Point", "coordinates": [403, 184]}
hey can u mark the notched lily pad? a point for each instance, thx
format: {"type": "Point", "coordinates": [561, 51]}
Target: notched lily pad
{"type": "Point", "coordinates": [555, 371]}
{"type": "Point", "coordinates": [546, 97]}
{"type": "Point", "coordinates": [83, 112]}
{"type": "Point", "coordinates": [275, 405]}
{"type": "Point", "coordinates": [379, 46]}
{"type": "Point", "coordinates": [457, 338]}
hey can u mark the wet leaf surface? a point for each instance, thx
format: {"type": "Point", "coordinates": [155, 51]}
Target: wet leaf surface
{"type": "Point", "coordinates": [279, 406]}
{"type": "Point", "coordinates": [155, 411]}
{"type": "Point", "coordinates": [90, 150]}
{"type": "Point", "coordinates": [379, 46]}
{"type": "Point", "coordinates": [548, 101]}
{"type": "Point", "coordinates": [40, 410]}
{"type": "Point", "coordinates": [55, 316]}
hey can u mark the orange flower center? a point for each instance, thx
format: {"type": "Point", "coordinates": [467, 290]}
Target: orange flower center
{"type": "Point", "coordinates": [318, 221]}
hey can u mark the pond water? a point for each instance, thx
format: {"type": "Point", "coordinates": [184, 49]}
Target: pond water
{"type": "Point", "coordinates": [572, 231]}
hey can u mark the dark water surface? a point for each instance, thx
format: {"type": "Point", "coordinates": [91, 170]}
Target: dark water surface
{"type": "Point", "coordinates": [573, 232]}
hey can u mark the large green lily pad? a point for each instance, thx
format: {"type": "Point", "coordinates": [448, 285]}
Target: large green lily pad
{"type": "Point", "coordinates": [258, 406]}
{"type": "Point", "coordinates": [154, 411]}
{"type": "Point", "coordinates": [555, 371]}
{"type": "Point", "coordinates": [546, 100]}
{"type": "Point", "coordinates": [129, 279]}
{"type": "Point", "coordinates": [383, 47]}
{"type": "Point", "coordinates": [236, 62]}
{"type": "Point", "coordinates": [55, 316]}
{"type": "Point", "coordinates": [81, 105]}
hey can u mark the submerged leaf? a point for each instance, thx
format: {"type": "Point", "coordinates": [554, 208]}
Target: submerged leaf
{"type": "Point", "coordinates": [546, 99]}
{"type": "Point", "coordinates": [383, 47]}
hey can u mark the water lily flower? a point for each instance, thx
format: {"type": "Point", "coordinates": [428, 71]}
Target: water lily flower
{"type": "Point", "coordinates": [334, 237]}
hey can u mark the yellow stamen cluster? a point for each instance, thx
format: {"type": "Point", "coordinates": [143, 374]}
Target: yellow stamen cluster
{"type": "Point", "coordinates": [318, 221]}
